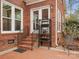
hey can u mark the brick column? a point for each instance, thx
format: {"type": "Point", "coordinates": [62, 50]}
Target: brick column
{"type": "Point", "coordinates": [53, 18]}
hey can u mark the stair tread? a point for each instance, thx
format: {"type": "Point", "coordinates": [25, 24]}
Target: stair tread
{"type": "Point", "coordinates": [26, 43]}
{"type": "Point", "coordinates": [26, 40]}
{"type": "Point", "coordinates": [23, 45]}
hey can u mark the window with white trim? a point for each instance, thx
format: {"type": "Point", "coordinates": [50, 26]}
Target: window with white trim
{"type": "Point", "coordinates": [59, 20]}
{"type": "Point", "coordinates": [11, 18]}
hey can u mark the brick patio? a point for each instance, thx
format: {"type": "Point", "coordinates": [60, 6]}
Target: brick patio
{"type": "Point", "coordinates": [39, 53]}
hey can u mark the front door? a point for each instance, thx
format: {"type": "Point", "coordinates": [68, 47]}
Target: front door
{"type": "Point", "coordinates": [37, 14]}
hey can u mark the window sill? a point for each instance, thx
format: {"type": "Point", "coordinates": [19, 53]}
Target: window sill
{"type": "Point", "coordinates": [11, 32]}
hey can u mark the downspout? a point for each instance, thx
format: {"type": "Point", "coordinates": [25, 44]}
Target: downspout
{"type": "Point", "coordinates": [56, 26]}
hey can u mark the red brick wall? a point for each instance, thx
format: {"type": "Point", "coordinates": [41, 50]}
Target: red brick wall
{"type": "Point", "coordinates": [17, 2]}
{"type": "Point", "coordinates": [52, 4]}
{"type": "Point", "coordinates": [26, 21]}
{"type": "Point", "coordinates": [53, 18]}
{"type": "Point", "coordinates": [5, 37]}
{"type": "Point", "coordinates": [61, 7]}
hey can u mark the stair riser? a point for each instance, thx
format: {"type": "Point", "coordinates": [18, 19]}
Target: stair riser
{"type": "Point", "coordinates": [26, 48]}
{"type": "Point", "coordinates": [25, 43]}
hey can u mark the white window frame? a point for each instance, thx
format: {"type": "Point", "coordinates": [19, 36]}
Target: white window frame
{"type": "Point", "coordinates": [12, 18]}
{"type": "Point", "coordinates": [39, 9]}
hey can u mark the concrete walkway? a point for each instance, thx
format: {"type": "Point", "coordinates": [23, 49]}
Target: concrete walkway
{"type": "Point", "coordinates": [39, 53]}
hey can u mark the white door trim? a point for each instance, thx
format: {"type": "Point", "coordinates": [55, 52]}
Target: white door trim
{"type": "Point", "coordinates": [40, 14]}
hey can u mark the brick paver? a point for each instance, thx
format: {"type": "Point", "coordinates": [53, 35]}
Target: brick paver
{"type": "Point", "coordinates": [39, 53]}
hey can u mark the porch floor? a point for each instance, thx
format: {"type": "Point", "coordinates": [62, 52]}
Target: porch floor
{"type": "Point", "coordinates": [39, 53]}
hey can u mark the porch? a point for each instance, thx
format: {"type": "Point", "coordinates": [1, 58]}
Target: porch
{"type": "Point", "coordinates": [39, 53]}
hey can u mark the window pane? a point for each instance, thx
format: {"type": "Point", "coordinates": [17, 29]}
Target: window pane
{"type": "Point", "coordinates": [45, 14]}
{"type": "Point", "coordinates": [17, 25]}
{"type": "Point", "coordinates": [17, 19]}
{"type": "Point", "coordinates": [17, 14]}
{"type": "Point", "coordinates": [6, 24]}
{"type": "Point", "coordinates": [6, 10]}
{"type": "Point", "coordinates": [35, 20]}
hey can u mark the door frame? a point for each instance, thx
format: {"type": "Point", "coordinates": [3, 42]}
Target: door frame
{"type": "Point", "coordinates": [39, 9]}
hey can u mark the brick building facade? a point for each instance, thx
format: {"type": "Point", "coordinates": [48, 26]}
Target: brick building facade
{"type": "Point", "coordinates": [54, 5]}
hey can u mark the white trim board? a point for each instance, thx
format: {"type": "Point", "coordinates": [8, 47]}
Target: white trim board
{"type": "Point", "coordinates": [33, 2]}
{"type": "Point", "coordinates": [7, 51]}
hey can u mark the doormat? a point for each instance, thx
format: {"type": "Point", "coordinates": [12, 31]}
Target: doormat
{"type": "Point", "coordinates": [20, 50]}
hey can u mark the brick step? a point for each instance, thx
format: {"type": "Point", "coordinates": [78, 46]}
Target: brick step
{"type": "Point", "coordinates": [27, 40]}
{"type": "Point", "coordinates": [26, 43]}
{"type": "Point", "coordinates": [25, 47]}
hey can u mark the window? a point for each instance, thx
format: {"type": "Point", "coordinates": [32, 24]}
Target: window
{"type": "Point", "coordinates": [11, 18]}
{"type": "Point", "coordinates": [59, 20]}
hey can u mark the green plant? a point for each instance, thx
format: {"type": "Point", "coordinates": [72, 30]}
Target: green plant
{"type": "Point", "coordinates": [71, 28]}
